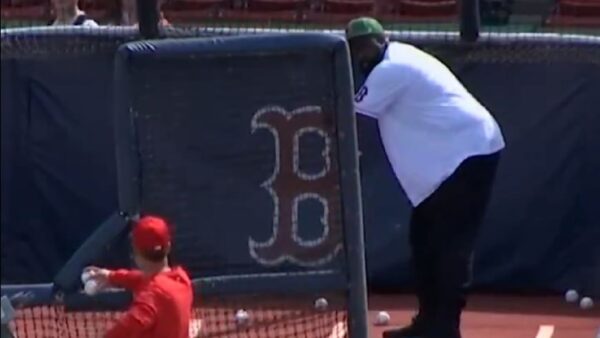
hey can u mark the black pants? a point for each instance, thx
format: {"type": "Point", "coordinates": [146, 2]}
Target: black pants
{"type": "Point", "coordinates": [443, 230]}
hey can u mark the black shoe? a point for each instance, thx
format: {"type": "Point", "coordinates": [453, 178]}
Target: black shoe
{"type": "Point", "coordinates": [443, 330]}
{"type": "Point", "coordinates": [415, 330]}
{"type": "Point", "coordinates": [445, 325]}
{"type": "Point", "coordinates": [447, 333]}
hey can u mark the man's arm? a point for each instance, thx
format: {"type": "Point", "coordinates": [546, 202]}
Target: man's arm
{"type": "Point", "coordinates": [359, 98]}
{"type": "Point", "coordinates": [379, 91]}
{"type": "Point", "coordinates": [128, 279]}
{"type": "Point", "coordinates": [138, 320]}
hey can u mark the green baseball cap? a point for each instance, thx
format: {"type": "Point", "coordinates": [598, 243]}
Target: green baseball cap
{"type": "Point", "coordinates": [363, 26]}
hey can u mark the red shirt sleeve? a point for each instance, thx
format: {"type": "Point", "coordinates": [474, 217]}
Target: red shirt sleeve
{"type": "Point", "coordinates": [128, 279]}
{"type": "Point", "coordinates": [138, 320]}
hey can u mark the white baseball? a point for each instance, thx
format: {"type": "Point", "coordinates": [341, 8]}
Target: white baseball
{"type": "Point", "coordinates": [586, 303]}
{"type": "Point", "coordinates": [91, 287]}
{"type": "Point", "coordinates": [85, 276]}
{"type": "Point", "coordinates": [571, 296]}
{"type": "Point", "coordinates": [321, 304]}
{"type": "Point", "coordinates": [241, 317]}
{"type": "Point", "coordinates": [382, 318]}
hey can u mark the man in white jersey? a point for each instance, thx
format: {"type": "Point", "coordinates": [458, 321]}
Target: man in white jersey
{"type": "Point", "coordinates": [444, 148]}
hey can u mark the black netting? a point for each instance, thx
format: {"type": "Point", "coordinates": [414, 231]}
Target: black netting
{"type": "Point", "coordinates": [54, 42]}
{"type": "Point", "coordinates": [204, 157]}
{"type": "Point", "coordinates": [268, 315]}
{"type": "Point", "coordinates": [45, 42]}
{"type": "Point", "coordinates": [269, 320]}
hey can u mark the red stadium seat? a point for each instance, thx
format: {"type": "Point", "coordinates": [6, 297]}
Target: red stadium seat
{"type": "Point", "coordinates": [264, 12]}
{"type": "Point", "coordinates": [425, 8]}
{"type": "Point", "coordinates": [587, 8]}
{"type": "Point", "coordinates": [573, 21]}
{"type": "Point", "coordinates": [277, 5]}
{"type": "Point", "coordinates": [237, 10]}
{"type": "Point", "coordinates": [576, 13]}
{"type": "Point", "coordinates": [341, 11]}
{"type": "Point", "coordinates": [99, 9]}
{"type": "Point", "coordinates": [349, 6]}
{"type": "Point", "coordinates": [192, 5]}
{"type": "Point", "coordinates": [194, 10]}
{"type": "Point", "coordinates": [25, 3]}
{"type": "Point", "coordinates": [25, 10]}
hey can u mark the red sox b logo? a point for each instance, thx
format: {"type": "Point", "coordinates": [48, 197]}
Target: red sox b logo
{"type": "Point", "coordinates": [289, 186]}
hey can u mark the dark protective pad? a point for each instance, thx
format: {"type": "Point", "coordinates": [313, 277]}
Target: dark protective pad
{"type": "Point", "coordinates": [57, 161]}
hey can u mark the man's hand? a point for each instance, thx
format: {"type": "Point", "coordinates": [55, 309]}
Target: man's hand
{"type": "Point", "coordinates": [99, 275]}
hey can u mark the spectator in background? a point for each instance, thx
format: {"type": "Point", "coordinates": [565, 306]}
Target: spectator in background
{"type": "Point", "coordinates": [129, 13]}
{"type": "Point", "coordinates": [68, 13]}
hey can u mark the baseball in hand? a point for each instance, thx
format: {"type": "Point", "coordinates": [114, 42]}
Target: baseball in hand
{"type": "Point", "coordinates": [91, 287]}
{"type": "Point", "coordinates": [85, 276]}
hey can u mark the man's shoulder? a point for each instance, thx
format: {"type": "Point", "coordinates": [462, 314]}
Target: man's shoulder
{"type": "Point", "coordinates": [389, 69]}
{"type": "Point", "coordinates": [176, 278]}
{"type": "Point", "coordinates": [407, 59]}
{"type": "Point", "coordinates": [401, 45]}
{"type": "Point", "coordinates": [401, 52]}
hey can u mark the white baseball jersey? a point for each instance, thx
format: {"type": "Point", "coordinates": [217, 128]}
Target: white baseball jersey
{"type": "Point", "coordinates": [428, 122]}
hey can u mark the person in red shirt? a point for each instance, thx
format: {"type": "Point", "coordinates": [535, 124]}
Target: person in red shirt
{"type": "Point", "coordinates": [162, 295]}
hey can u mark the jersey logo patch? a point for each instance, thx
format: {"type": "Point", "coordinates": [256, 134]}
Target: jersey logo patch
{"type": "Point", "coordinates": [362, 92]}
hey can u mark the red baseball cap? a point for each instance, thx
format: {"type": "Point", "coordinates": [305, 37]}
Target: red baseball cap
{"type": "Point", "coordinates": [151, 234]}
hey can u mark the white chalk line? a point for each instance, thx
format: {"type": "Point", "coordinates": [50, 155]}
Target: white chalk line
{"type": "Point", "coordinates": [545, 331]}
{"type": "Point", "coordinates": [339, 330]}
{"type": "Point", "coordinates": [195, 328]}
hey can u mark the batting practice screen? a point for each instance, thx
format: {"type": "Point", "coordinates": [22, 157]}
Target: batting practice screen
{"type": "Point", "coordinates": [248, 146]}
